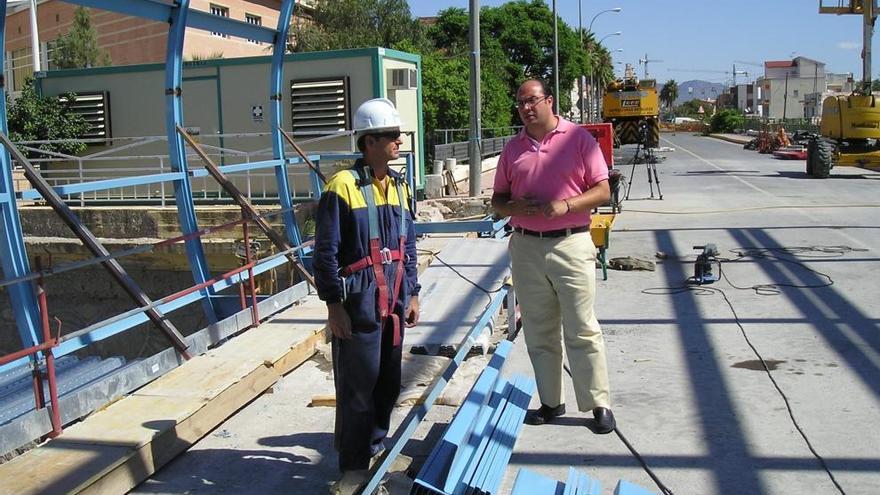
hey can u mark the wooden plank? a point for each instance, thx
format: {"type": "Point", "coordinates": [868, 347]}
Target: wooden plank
{"type": "Point", "coordinates": [57, 467]}
{"type": "Point", "coordinates": [117, 448]}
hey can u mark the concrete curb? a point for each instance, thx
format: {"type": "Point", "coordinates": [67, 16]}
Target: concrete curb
{"type": "Point", "coordinates": [732, 138]}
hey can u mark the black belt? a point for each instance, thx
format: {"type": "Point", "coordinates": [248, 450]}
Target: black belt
{"type": "Point", "coordinates": [551, 233]}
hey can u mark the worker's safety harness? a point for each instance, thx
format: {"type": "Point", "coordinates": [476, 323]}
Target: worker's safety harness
{"type": "Point", "coordinates": [378, 257]}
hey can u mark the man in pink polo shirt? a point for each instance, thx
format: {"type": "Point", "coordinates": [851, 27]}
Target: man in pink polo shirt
{"type": "Point", "coordinates": [548, 180]}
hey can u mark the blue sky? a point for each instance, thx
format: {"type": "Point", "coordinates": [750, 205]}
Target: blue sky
{"type": "Point", "coordinates": [711, 35]}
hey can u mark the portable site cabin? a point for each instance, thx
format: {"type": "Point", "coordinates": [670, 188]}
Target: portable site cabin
{"type": "Point", "coordinates": [226, 101]}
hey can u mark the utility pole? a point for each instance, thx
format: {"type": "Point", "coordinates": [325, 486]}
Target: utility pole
{"type": "Point", "coordinates": [868, 8]}
{"type": "Point", "coordinates": [35, 36]}
{"type": "Point", "coordinates": [581, 78]}
{"type": "Point", "coordinates": [555, 61]}
{"type": "Point", "coordinates": [785, 97]}
{"type": "Point", "coordinates": [475, 154]}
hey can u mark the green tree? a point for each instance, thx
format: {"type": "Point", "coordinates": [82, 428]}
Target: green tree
{"type": "Point", "coordinates": [341, 24]}
{"type": "Point", "coordinates": [727, 121]}
{"type": "Point", "coordinates": [34, 118]}
{"type": "Point", "coordinates": [691, 108]}
{"type": "Point", "coordinates": [524, 31]}
{"type": "Point", "coordinates": [446, 76]}
{"type": "Point", "coordinates": [669, 93]}
{"type": "Point", "coordinates": [79, 47]}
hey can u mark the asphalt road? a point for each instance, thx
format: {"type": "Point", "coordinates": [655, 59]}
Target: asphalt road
{"type": "Point", "coordinates": [689, 389]}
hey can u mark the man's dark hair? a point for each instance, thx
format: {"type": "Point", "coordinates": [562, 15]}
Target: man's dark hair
{"type": "Point", "coordinates": [361, 143]}
{"type": "Point", "coordinates": [544, 87]}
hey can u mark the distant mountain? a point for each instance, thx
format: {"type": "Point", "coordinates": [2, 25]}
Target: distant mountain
{"type": "Point", "coordinates": [698, 89]}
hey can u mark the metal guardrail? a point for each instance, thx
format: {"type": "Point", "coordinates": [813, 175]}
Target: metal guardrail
{"type": "Point", "coordinates": [459, 151]}
{"type": "Point", "coordinates": [122, 161]}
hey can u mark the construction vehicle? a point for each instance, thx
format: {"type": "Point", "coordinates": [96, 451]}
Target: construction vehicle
{"type": "Point", "coordinates": [850, 128]}
{"type": "Point", "coordinates": [633, 108]}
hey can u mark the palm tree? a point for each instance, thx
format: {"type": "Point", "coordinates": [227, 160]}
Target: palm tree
{"type": "Point", "coordinates": [669, 93]}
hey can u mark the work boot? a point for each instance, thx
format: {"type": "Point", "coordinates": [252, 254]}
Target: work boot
{"type": "Point", "coordinates": [350, 482]}
{"type": "Point", "coordinates": [544, 414]}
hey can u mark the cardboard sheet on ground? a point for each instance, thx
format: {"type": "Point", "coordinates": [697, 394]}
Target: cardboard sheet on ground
{"type": "Point", "coordinates": [418, 373]}
{"type": "Point", "coordinates": [450, 305]}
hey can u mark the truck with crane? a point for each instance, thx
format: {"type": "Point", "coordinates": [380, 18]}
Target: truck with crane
{"type": "Point", "coordinates": [633, 108]}
{"type": "Point", "coordinates": [849, 133]}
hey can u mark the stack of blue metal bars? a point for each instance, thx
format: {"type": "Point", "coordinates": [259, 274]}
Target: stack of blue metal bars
{"type": "Point", "coordinates": [473, 453]}
{"type": "Point", "coordinates": [531, 483]}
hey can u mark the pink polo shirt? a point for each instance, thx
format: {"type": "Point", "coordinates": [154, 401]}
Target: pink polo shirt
{"type": "Point", "coordinates": [566, 163]}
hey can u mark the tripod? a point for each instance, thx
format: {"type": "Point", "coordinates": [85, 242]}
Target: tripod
{"type": "Point", "coordinates": [650, 160]}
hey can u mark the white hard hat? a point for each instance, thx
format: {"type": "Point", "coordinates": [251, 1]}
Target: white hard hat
{"type": "Point", "coordinates": [376, 115]}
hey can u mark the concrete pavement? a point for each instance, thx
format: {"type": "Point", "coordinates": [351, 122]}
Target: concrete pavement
{"type": "Point", "coordinates": [689, 388]}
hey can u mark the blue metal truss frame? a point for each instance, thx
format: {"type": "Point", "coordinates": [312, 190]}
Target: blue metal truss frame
{"type": "Point", "coordinates": [13, 255]}
{"type": "Point", "coordinates": [276, 111]}
{"type": "Point", "coordinates": [179, 16]}
{"type": "Point", "coordinates": [102, 185]}
{"type": "Point", "coordinates": [177, 151]}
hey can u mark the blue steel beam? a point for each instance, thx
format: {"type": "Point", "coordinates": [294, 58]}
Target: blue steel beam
{"type": "Point", "coordinates": [136, 316]}
{"type": "Point", "coordinates": [276, 98]}
{"type": "Point", "coordinates": [162, 12]}
{"type": "Point", "coordinates": [13, 256]}
{"type": "Point", "coordinates": [174, 118]}
{"type": "Point", "coordinates": [458, 227]}
{"type": "Point", "coordinates": [411, 422]}
{"type": "Point", "coordinates": [101, 185]}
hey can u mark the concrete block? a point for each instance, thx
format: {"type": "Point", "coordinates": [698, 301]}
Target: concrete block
{"type": "Point", "coordinates": [433, 186]}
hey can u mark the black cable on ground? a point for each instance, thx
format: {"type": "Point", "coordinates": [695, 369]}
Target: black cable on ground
{"type": "Point", "coordinates": [771, 289]}
{"type": "Point", "coordinates": [512, 334]}
{"type": "Point", "coordinates": [663, 488]}
{"type": "Point", "coordinates": [437, 257]}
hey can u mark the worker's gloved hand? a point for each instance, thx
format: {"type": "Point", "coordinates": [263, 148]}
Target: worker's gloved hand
{"type": "Point", "coordinates": [411, 315]}
{"type": "Point", "coordinates": [338, 321]}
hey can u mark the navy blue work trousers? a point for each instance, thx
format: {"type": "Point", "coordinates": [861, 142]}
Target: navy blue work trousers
{"type": "Point", "coordinates": [366, 370]}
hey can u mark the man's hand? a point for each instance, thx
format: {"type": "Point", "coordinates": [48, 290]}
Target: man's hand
{"type": "Point", "coordinates": [555, 208]}
{"type": "Point", "coordinates": [338, 321]}
{"type": "Point", "coordinates": [523, 207]}
{"type": "Point", "coordinates": [411, 315]}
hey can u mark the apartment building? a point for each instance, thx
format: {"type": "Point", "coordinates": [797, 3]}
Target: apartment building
{"type": "Point", "coordinates": [786, 84]}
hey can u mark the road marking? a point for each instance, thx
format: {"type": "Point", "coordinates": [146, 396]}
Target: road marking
{"type": "Point", "coordinates": [815, 220]}
{"type": "Point", "coordinates": [698, 157]}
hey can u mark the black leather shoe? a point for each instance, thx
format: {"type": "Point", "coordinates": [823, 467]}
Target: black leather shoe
{"type": "Point", "coordinates": [544, 414]}
{"type": "Point", "coordinates": [604, 420]}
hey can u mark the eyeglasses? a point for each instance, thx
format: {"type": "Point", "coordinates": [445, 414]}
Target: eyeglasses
{"type": "Point", "coordinates": [531, 102]}
{"type": "Point", "coordinates": [390, 135]}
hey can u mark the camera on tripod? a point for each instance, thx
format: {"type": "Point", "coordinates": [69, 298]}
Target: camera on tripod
{"type": "Point", "coordinates": [643, 133]}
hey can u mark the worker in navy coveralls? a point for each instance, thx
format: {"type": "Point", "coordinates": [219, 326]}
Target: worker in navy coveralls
{"type": "Point", "coordinates": [365, 270]}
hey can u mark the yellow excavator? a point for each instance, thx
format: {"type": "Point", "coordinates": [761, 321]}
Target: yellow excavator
{"type": "Point", "coordinates": [850, 128]}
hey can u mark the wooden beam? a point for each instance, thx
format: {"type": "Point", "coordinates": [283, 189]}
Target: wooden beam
{"type": "Point", "coordinates": [117, 448]}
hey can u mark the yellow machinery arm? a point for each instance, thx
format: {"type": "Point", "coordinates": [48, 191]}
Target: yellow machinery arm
{"type": "Point", "coordinates": [868, 10]}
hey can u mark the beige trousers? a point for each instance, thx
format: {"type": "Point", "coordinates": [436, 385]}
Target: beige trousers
{"type": "Point", "coordinates": [555, 283]}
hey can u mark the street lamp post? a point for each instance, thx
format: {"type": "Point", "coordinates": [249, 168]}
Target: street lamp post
{"type": "Point", "coordinates": [581, 80]}
{"type": "Point", "coordinates": [615, 9]}
{"type": "Point", "coordinates": [594, 89]}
